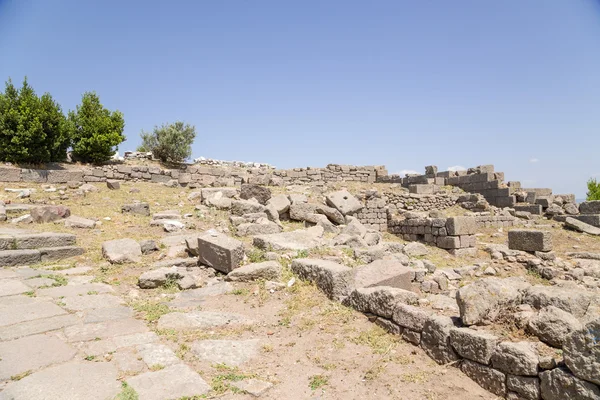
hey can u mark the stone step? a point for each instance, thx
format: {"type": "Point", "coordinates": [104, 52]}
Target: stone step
{"type": "Point", "coordinates": [36, 240]}
{"type": "Point", "coordinates": [18, 209]}
{"type": "Point", "coordinates": [11, 258]}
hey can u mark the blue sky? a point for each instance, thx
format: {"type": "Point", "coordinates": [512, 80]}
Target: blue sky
{"type": "Point", "coordinates": [403, 83]}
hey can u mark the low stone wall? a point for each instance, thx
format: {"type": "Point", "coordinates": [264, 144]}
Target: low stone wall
{"type": "Point", "coordinates": [455, 234]}
{"type": "Point", "coordinates": [494, 221]}
{"type": "Point", "coordinates": [374, 214]}
{"type": "Point", "coordinates": [402, 201]}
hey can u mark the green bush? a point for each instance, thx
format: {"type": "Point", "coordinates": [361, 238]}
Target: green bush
{"type": "Point", "coordinates": [32, 129]}
{"type": "Point", "coordinates": [95, 130]}
{"type": "Point", "coordinates": [169, 142]}
{"type": "Point", "coordinates": [593, 190]}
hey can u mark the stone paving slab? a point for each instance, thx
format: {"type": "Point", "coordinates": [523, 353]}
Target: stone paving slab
{"type": "Point", "coordinates": [93, 301]}
{"type": "Point", "coordinates": [195, 297]}
{"type": "Point", "coordinates": [37, 326]}
{"type": "Point", "coordinates": [106, 314]}
{"type": "Point", "coordinates": [229, 352]}
{"type": "Point", "coordinates": [31, 353]}
{"type": "Point", "coordinates": [37, 283]}
{"type": "Point", "coordinates": [26, 272]}
{"type": "Point", "coordinates": [172, 382]}
{"type": "Point", "coordinates": [19, 300]}
{"type": "Point", "coordinates": [10, 287]}
{"type": "Point", "coordinates": [27, 312]}
{"type": "Point", "coordinates": [89, 381]}
{"type": "Point", "coordinates": [75, 290]}
{"type": "Point", "coordinates": [104, 330]}
{"type": "Point", "coordinates": [6, 273]}
{"type": "Point", "coordinates": [118, 342]}
{"type": "Point", "coordinates": [200, 320]}
{"type": "Point", "coordinates": [157, 354]}
{"type": "Point", "coordinates": [127, 362]}
{"type": "Point", "coordinates": [74, 271]}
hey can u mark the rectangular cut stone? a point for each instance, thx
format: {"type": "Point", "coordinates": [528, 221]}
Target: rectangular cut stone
{"type": "Point", "coordinates": [390, 273]}
{"type": "Point", "coordinates": [49, 239]}
{"type": "Point", "coordinates": [34, 175]}
{"type": "Point", "coordinates": [335, 280]}
{"type": "Point", "coordinates": [422, 189]}
{"type": "Point", "coordinates": [529, 240]}
{"type": "Point", "coordinates": [410, 317]}
{"type": "Point", "coordinates": [461, 225]}
{"type": "Point", "coordinates": [590, 219]}
{"type": "Point", "coordinates": [220, 251]}
{"type": "Point", "coordinates": [9, 258]}
{"type": "Point", "coordinates": [64, 176]}
{"type": "Point", "coordinates": [486, 377]}
{"type": "Point", "coordinates": [28, 312]}
{"type": "Point", "coordinates": [475, 345]}
{"type": "Point", "coordinates": [535, 209]}
{"type": "Point", "coordinates": [10, 175]}
{"type": "Point", "coordinates": [448, 242]}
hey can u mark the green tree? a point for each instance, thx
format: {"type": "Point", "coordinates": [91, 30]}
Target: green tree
{"type": "Point", "coordinates": [32, 129]}
{"type": "Point", "coordinates": [95, 130]}
{"type": "Point", "coordinates": [593, 190]}
{"type": "Point", "coordinates": [170, 142]}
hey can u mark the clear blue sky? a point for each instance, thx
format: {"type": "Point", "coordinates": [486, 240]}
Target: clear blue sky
{"type": "Point", "coordinates": [404, 83]}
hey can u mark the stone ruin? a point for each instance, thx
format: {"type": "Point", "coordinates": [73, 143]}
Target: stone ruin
{"type": "Point", "coordinates": [453, 325]}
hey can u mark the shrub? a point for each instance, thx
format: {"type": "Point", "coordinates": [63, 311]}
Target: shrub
{"type": "Point", "coordinates": [169, 142]}
{"type": "Point", "coordinates": [32, 129]}
{"type": "Point", "coordinates": [95, 130]}
{"type": "Point", "coordinates": [593, 190]}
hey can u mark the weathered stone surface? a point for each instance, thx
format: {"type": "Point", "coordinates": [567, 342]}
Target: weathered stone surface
{"type": "Point", "coordinates": [148, 246]}
{"type": "Point", "coordinates": [570, 299]}
{"type": "Point", "coordinates": [90, 381]}
{"type": "Point", "coordinates": [559, 384]}
{"type": "Point", "coordinates": [483, 300]}
{"type": "Point", "coordinates": [384, 273]}
{"type": "Point", "coordinates": [136, 208]}
{"type": "Point", "coordinates": [10, 258]}
{"type": "Point", "coordinates": [268, 270]}
{"type": "Point", "coordinates": [281, 203]}
{"type": "Point", "coordinates": [581, 351]}
{"type": "Point", "coordinates": [157, 354]}
{"type": "Point", "coordinates": [582, 226]}
{"type": "Point", "coordinates": [474, 345]}
{"type": "Point", "coordinates": [36, 326]}
{"type": "Point", "coordinates": [355, 228]}
{"type": "Point", "coordinates": [10, 287]}
{"type": "Point", "coordinates": [159, 277]}
{"type": "Point", "coordinates": [332, 214]}
{"type": "Point", "coordinates": [113, 185]}
{"type": "Point", "coordinates": [516, 358]}
{"type": "Point", "coordinates": [528, 388]}
{"type": "Point", "coordinates": [103, 330]}
{"type": "Point", "coordinates": [46, 239]}
{"type": "Point", "coordinates": [335, 280]}
{"type": "Point", "coordinates": [95, 315]}
{"type": "Point", "coordinates": [303, 212]}
{"type": "Point", "coordinates": [464, 225]}
{"type": "Point", "coordinates": [200, 320]}
{"type": "Point", "coordinates": [31, 353]}
{"type": "Point", "coordinates": [552, 325]}
{"type": "Point", "coordinates": [22, 312]}
{"type": "Point", "coordinates": [81, 303]}
{"type": "Point", "coordinates": [529, 240]}
{"type": "Point", "coordinates": [229, 352]}
{"type": "Point", "coordinates": [253, 386]}
{"type": "Point", "coordinates": [75, 290]}
{"type": "Point", "coordinates": [174, 382]}
{"type": "Point", "coordinates": [410, 317]}
{"type": "Point", "coordinates": [260, 193]}
{"type": "Point", "coordinates": [127, 363]}
{"type": "Point", "coordinates": [435, 339]}
{"type": "Point", "coordinates": [486, 377]}
{"type": "Point", "coordinates": [265, 227]}
{"type": "Point", "coordinates": [120, 251]}
{"type": "Point", "coordinates": [111, 344]}
{"type": "Point", "coordinates": [48, 254]}
{"type": "Point", "coordinates": [220, 251]}
{"type": "Point", "coordinates": [589, 207]}
{"type": "Point", "coordinates": [301, 239]}
{"type": "Point", "coordinates": [379, 300]}
{"type": "Point", "coordinates": [79, 222]}
{"type": "Point", "coordinates": [44, 214]}
{"type": "Point", "coordinates": [226, 192]}
{"type": "Point", "coordinates": [344, 202]}
{"type": "Point", "coordinates": [415, 249]}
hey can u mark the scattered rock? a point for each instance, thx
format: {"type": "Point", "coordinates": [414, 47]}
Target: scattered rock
{"type": "Point", "coordinates": [45, 214]}
{"type": "Point", "coordinates": [136, 208]}
{"type": "Point", "coordinates": [260, 193]}
{"type": "Point", "coordinates": [120, 251]}
{"type": "Point", "coordinates": [79, 222]}
{"type": "Point", "coordinates": [267, 270]}
{"type": "Point", "coordinates": [335, 280]}
{"type": "Point", "coordinates": [552, 325]}
{"type": "Point", "coordinates": [220, 251]}
{"type": "Point", "coordinates": [415, 249]}
{"type": "Point", "coordinates": [344, 202]}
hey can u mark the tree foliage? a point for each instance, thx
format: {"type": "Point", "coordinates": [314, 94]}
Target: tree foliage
{"type": "Point", "coordinates": [95, 130]}
{"type": "Point", "coordinates": [32, 129]}
{"type": "Point", "coordinates": [169, 142]}
{"type": "Point", "coordinates": [593, 190]}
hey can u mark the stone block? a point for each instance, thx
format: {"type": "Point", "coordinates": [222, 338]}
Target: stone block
{"type": "Point", "coordinates": [529, 240]}
{"type": "Point", "coordinates": [390, 273]}
{"type": "Point", "coordinates": [422, 189]}
{"type": "Point", "coordinates": [516, 358]}
{"type": "Point", "coordinates": [34, 175]}
{"type": "Point", "coordinates": [379, 300]}
{"type": "Point", "coordinates": [335, 280]}
{"type": "Point", "coordinates": [10, 175]}
{"type": "Point", "coordinates": [560, 384]}
{"type": "Point", "coordinates": [590, 219]}
{"type": "Point", "coordinates": [410, 317]}
{"type": "Point", "coordinates": [535, 209]}
{"type": "Point", "coordinates": [220, 251]}
{"type": "Point", "coordinates": [448, 242]}
{"type": "Point", "coordinates": [486, 377]}
{"type": "Point", "coordinates": [64, 176]}
{"type": "Point", "coordinates": [474, 345]}
{"type": "Point", "coordinates": [435, 339]}
{"type": "Point", "coordinates": [10, 258]}
{"type": "Point", "coordinates": [461, 225]}
{"type": "Point", "coordinates": [344, 202]}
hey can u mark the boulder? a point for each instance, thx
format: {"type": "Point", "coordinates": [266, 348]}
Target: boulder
{"type": "Point", "coordinates": [334, 215]}
{"type": "Point", "coordinates": [120, 251]}
{"type": "Point", "coordinates": [79, 222]}
{"type": "Point", "coordinates": [159, 277]}
{"type": "Point", "coordinates": [113, 185]}
{"type": "Point", "coordinates": [280, 202]}
{"type": "Point", "coordinates": [335, 280]}
{"type": "Point", "coordinates": [220, 251]}
{"type": "Point", "coordinates": [355, 228]}
{"type": "Point", "coordinates": [481, 301]}
{"type": "Point", "coordinates": [148, 246]}
{"type": "Point", "coordinates": [303, 212]}
{"type": "Point", "coordinates": [268, 270]}
{"type": "Point", "coordinates": [44, 214]}
{"type": "Point", "coordinates": [242, 207]}
{"type": "Point", "coordinates": [415, 249]}
{"type": "Point", "coordinates": [260, 193]}
{"type": "Point", "coordinates": [379, 300]}
{"type": "Point", "coordinates": [552, 325]}
{"type": "Point", "coordinates": [297, 198]}
{"type": "Point", "coordinates": [581, 350]}
{"type": "Point", "coordinates": [136, 208]}
{"type": "Point", "coordinates": [225, 192]}
{"type": "Point", "coordinates": [570, 299]}
{"type": "Point", "coordinates": [344, 202]}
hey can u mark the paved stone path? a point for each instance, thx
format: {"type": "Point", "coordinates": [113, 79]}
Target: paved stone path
{"type": "Point", "coordinates": [51, 340]}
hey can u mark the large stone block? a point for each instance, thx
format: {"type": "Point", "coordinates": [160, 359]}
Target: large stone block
{"type": "Point", "coordinates": [529, 240]}
{"type": "Point", "coordinates": [48, 239]}
{"type": "Point", "coordinates": [9, 258]}
{"type": "Point", "coordinates": [260, 193]}
{"type": "Point", "coordinates": [344, 202]}
{"type": "Point", "coordinates": [435, 339]}
{"type": "Point", "coordinates": [384, 273]}
{"type": "Point", "coordinates": [335, 280]}
{"type": "Point", "coordinates": [34, 175]}
{"type": "Point", "coordinates": [526, 387]}
{"type": "Point", "coordinates": [379, 300]}
{"type": "Point", "coordinates": [486, 377]}
{"type": "Point", "coordinates": [516, 358]}
{"type": "Point", "coordinates": [64, 176]}
{"type": "Point", "coordinates": [461, 226]}
{"type": "Point", "coordinates": [44, 214]}
{"type": "Point", "coordinates": [120, 251]}
{"type": "Point", "coordinates": [535, 209]}
{"type": "Point", "coordinates": [582, 352]}
{"type": "Point", "coordinates": [590, 219]}
{"type": "Point", "coordinates": [475, 345]}
{"type": "Point", "coordinates": [10, 175]}
{"type": "Point", "coordinates": [590, 207]}
{"type": "Point", "coordinates": [220, 251]}
{"type": "Point", "coordinates": [410, 317]}
{"type": "Point", "coordinates": [559, 384]}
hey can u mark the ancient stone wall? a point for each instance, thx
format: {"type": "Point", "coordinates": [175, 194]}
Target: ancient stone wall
{"type": "Point", "coordinates": [402, 201]}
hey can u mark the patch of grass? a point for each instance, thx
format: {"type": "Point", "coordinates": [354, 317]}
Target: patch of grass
{"type": "Point", "coordinates": [170, 286]}
{"type": "Point", "coordinates": [317, 381]}
{"type": "Point", "coordinates": [338, 313]}
{"type": "Point", "coordinates": [377, 339]}
{"type": "Point", "coordinates": [157, 367]}
{"type": "Point", "coordinates": [31, 293]}
{"type": "Point", "coordinates": [90, 358]}
{"type": "Point", "coordinates": [220, 383]}
{"type": "Point", "coordinates": [127, 393]}
{"type": "Point", "coordinates": [256, 255]}
{"type": "Point", "coordinates": [416, 377]}
{"type": "Point", "coordinates": [182, 351]}
{"type": "Point", "coordinates": [151, 310]}
{"type": "Point", "coordinates": [241, 292]}
{"type": "Point", "coordinates": [267, 348]}
{"type": "Point", "coordinates": [92, 292]}
{"type": "Point", "coordinates": [20, 376]}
